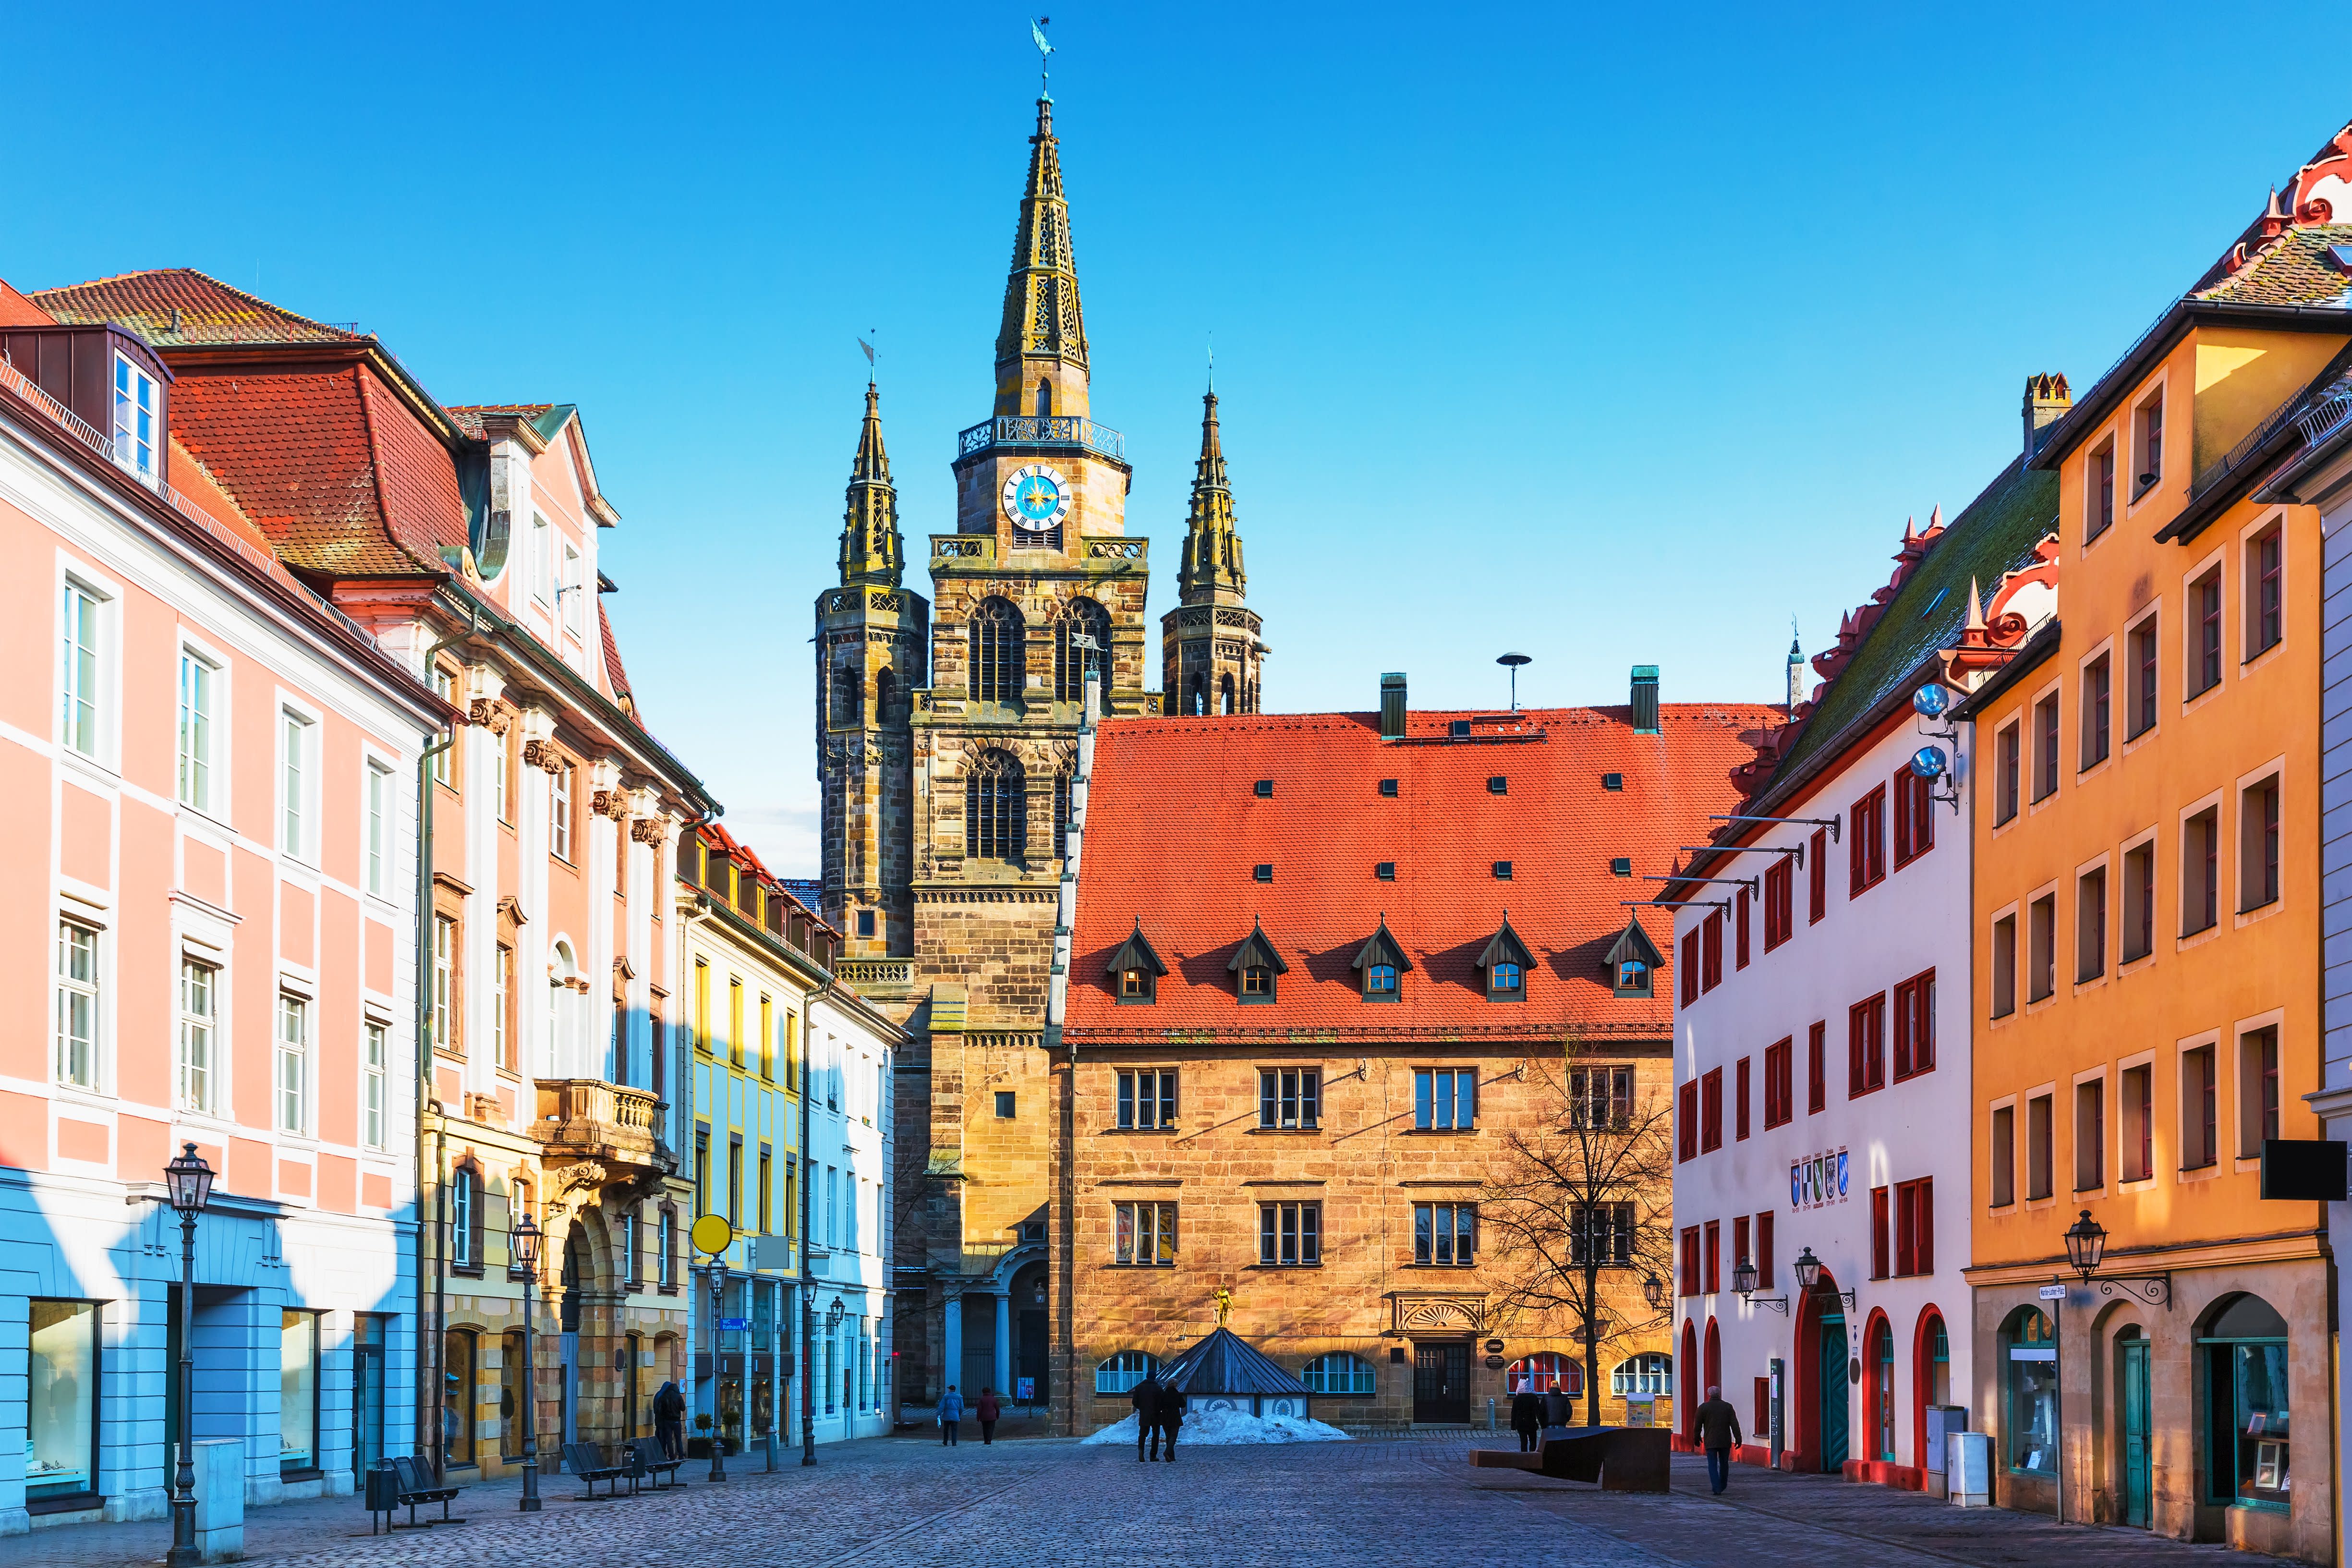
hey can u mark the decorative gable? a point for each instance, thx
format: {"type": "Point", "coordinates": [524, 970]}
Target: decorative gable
{"type": "Point", "coordinates": [1135, 970]}
{"type": "Point", "coordinates": [1634, 961]}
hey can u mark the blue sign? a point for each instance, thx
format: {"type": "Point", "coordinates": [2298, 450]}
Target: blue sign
{"type": "Point", "coordinates": [734, 1322]}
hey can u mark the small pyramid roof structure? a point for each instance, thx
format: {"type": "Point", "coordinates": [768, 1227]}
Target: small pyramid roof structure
{"type": "Point", "coordinates": [1226, 1363]}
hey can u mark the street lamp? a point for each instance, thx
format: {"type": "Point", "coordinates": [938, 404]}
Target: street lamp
{"type": "Point", "coordinates": [1653, 1291]}
{"type": "Point", "coordinates": [1808, 1277]}
{"type": "Point", "coordinates": [525, 1241]}
{"type": "Point", "coordinates": [2086, 1244]}
{"type": "Point", "coordinates": [833, 1315]}
{"type": "Point", "coordinates": [189, 1182]}
{"type": "Point", "coordinates": [1744, 1279]}
{"type": "Point", "coordinates": [718, 1366]}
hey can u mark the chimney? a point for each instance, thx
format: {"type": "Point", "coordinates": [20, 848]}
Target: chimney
{"type": "Point", "coordinates": [1392, 706]}
{"type": "Point", "coordinates": [1645, 699]}
{"type": "Point", "coordinates": [2047, 401]}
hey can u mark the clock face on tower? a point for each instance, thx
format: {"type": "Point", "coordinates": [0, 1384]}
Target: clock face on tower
{"type": "Point", "coordinates": [1035, 497]}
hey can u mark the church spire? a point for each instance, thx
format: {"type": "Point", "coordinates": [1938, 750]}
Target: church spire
{"type": "Point", "coordinates": [1041, 345]}
{"type": "Point", "coordinates": [871, 550]}
{"type": "Point", "coordinates": [1213, 550]}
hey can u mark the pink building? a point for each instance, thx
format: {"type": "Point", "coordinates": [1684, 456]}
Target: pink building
{"type": "Point", "coordinates": [212, 933]}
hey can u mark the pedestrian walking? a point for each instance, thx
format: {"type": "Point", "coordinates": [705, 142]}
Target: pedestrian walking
{"type": "Point", "coordinates": [1146, 1400]}
{"type": "Point", "coordinates": [1718, 1434]}
{"type": "Point", "coordinates": [1527, 1417]}
{"type": "Point", "coordinates": [988, 1409]}
{"type": "Point", "coordinates": [1558, 1410]}
{"type": "Point", "coordinates": [669, 1419]}
{"type": "Point", "coordinates": [1171, 1418]}
{"type": "Point", "coordinates": [950, 1417]}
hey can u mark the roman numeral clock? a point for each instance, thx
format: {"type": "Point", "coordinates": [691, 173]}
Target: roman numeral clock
{"type": "Point", "coordinates": [1036, 498]}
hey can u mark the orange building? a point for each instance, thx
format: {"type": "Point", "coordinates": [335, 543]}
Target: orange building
{"type": "Point", "coordinates": [2147, 820]}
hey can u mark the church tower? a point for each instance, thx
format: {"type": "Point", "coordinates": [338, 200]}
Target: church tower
{"type": "Point", "coordinates": [871, 645]}
{"type": "Point", "coordinates": [1210, 651]}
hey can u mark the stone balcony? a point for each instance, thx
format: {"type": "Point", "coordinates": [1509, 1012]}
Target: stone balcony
{"type": "Point", "coordinates": [587, 1120]}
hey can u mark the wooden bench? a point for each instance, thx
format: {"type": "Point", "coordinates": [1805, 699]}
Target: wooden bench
{"type": "Point", "coordinates": [409, 1484]}
{"type": "Point", "coordinates": [586, 1461]}
{"type": "Point", "coordinates": [647, 1462]}
{"type": "Point", "coordinates": [1622, 1458]}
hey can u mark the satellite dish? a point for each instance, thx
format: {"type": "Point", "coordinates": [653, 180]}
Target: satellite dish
{"type": "Point", "coordinates": [1929, 763]}
{"type": "Point", "coordinates": [1931, 700]}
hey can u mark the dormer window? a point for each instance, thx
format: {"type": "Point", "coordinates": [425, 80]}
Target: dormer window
{"type": "Point", "coordinates": [1505, 962]}
{"type": "Point", "coordinates": [1633, 961]}
{"type": "Point", "coordinates": [1380, 962]}
{"type": "Point", "coordinates": [135, 408]}
{"type": "Point", "coordinates": [1256, 966]}
{"type": "Point", "coordinates": [1135, 970]}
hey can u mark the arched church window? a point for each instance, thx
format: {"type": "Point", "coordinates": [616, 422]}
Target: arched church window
{"type": "Point", "coordinates": [996, 651]}
{"type": "Point", "coordinates": [995, 807]}
{"type": "Point", "coordinates": [886, 695]}
{"type": "Point", "coordinates": [1196, 696]}
{"type": "Point", "coordinates": [847, 704]}
{"type": "Point", "coordinates": [1225, 694]}
{"type": "Point", "coordinates": [1071, 661]}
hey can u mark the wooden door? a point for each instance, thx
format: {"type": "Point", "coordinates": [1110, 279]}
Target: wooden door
{"type": "Point", "coordinates": [1440, 1383]}
{"type": "Point", "coordinates": [1831, 1393]}
{"type": "Point", "coordinates": [2134, 1380]}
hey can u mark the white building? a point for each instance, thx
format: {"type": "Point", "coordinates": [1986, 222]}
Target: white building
{"type": "Point", "coordinates": [851, 1191]}
{"type": "Point", "coordinates": [1821, 1072]}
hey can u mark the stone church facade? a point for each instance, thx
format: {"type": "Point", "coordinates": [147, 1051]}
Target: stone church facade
{"type": "Point", "coordinates": [947, 744]}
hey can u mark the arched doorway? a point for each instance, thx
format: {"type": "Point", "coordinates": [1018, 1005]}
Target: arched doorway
{"type": "Point", "coordinates": [1821, 1379]}
{"type": "Point", "coordinates": [1713, 1377]}
{"type": "Point", "coordinates": [2242, 1345]}
{"type": "Point", "coordinates": [1878, 1403]}
{"type": "Point", "coordinates": [1931, 1377]}
{"type": "Point", "coordinates": [1032, 1337]}
{"type": "Point", "coordinates": [1689, 1366]}
{"type": "Point", "coordinates": [2135, 1432]}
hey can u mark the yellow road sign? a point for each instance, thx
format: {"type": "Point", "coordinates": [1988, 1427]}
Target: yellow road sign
{"type": "Point", "coordinates": [712, 1233]}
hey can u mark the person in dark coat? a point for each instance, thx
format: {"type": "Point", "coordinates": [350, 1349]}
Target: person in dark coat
{"type": "Point", "coordinates": [1527, 1417]}
{"type": "Point", "coordinates": [669, 1420]}
{"type": "Point", "coordinates": [1146, 1400]}
{"type": "Point", "coordinates": [1718, 1434]}
{"type": "Point", "coordinates": [1171, 1416]}
{"type": "Point", "coordinates": [988, 1409]}
{"type": "Point", "coordinates": [1558, 1410]}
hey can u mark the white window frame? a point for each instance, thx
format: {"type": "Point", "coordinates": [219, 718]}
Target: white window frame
{"type": "Point", "coordinates": [444, 687]}
{"type": "Point", "coordinates": [444, 958]}
{"type": "Point", "coordinates": [92, 991]}
{"type": "Point", "coordinates": [375, 1082]}
{"type": "Point", "coordinates": [377, 806]}
{"type": "Point", "coordinates": [289, 1078]}
{"type": "Point", "coordinates": [297, 782]}
{"type": "Point", "coordinates": [502, 763]}
{"type": "Point", "coordinates": [202, 712]}
{"type": "Point", "coordinates": [464, 1193]}
{"type": "Point", "coordinates": [86, 637]}
{"type": "Point", "coordinates": [558, 811]}
{"type": "Point", "coordinates": [137, 395]}
{"type": "Point", "coordinates": [542, 560]}
{"type": "Point", "coordinates": [568, 590]}
{"type": "Point", "coordinates": [195, 1083]}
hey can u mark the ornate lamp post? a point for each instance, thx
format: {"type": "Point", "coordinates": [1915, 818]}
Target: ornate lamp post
{"type": "Point", "coordinates": [718, 1361]}
{"type": "Point", "coordinates": [1809, 1278]}
{"type": "Point", "coordinates": [1743, 1284]}
{"type": "Point", "coordinates": [189, 1181]}
{"type": "Point", "coordinates": [525, 1241]}
{"type": "Point", "coordinates": [2086, 1245]}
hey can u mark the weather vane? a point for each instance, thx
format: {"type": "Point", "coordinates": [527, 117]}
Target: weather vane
{"type": "Point", "coordinates": [1037, 31]}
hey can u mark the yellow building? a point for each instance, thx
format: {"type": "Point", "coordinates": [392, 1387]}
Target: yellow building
{"type": "Point", "coordinates": [2145, 889]}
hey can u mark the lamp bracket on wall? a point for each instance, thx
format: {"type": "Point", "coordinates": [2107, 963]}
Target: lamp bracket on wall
{"type": "Point", "coordinates": [1796, 849]}
{"type": "Point", "coordinates": [1834, 824]}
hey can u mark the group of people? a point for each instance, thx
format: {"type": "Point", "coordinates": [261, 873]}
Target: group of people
{"type": "Point", "coordinates": [1533, 1409]}
{"type": "Point", "coordinates": [987, 1409]}
{"type": "Point", "coordinates": [1158, 1415]}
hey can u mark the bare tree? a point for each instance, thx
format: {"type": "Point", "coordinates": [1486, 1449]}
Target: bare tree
{"type": "Point", "coordinates": [1578, 1214]}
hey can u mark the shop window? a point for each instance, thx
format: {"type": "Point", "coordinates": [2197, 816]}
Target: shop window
{"type": "Point", "coordinates": [457, 1397]}
{"type": "Point", "coordinates": [1545, 1372]}
{"type": "Point", "coordinates": [511, 1396]}
{"type": "Point", "coordinates": [61, 1406]}
{"type": "Point", "coordinates": [2246, 1455]}
{"type": "Point", "coordinates": [297, 1394]}
{"type": "Point", "coordinates": [2030, 1354]}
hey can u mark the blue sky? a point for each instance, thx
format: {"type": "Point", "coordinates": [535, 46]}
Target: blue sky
{"type": "Point", "coordinates": [1611, 338]}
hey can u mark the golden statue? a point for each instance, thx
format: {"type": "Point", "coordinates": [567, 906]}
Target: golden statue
{"type": "Point", "coordinates": [1225, 1304]}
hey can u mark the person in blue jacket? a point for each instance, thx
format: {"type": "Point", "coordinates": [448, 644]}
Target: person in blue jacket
{"type": "Point", "coordinates": [950, 1416]}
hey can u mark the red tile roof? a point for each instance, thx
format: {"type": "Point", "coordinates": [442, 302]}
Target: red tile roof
{"type": "Point", "coordinates": [209, 312]}
{"type": "Point", "coordinates": [15, 310]}
{"type": "Point", "coordinates": [329, 461]}
{"type": "Point", "coordinates": [614, 676]}
{"type": "Point", "coordinates": [200, 489]}
{"type": "Point", "coordinates": [1173, 829]}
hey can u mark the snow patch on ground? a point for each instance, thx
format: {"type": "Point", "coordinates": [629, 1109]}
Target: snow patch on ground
{"type": "Point", "coordinates": [1227, 1428]}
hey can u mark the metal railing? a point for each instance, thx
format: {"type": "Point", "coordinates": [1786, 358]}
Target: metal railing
{"type": "Point", "coordinates": [2217, 471]}
{"type": "Point", "coordinates": [1040, 430]}
{"type": "Point", "coordinates": [2325, 417]}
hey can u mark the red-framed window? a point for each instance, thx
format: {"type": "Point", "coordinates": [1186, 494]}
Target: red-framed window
{"type": "Point", "coordinates": [1710, 1110]}
{"type": "Point", "coordinates": [1714, 1248]}
{"type": "Point", "coordinates": [1690, 967]}
{"type": "Point", "coordinates": [1817, 1068]}
{"type": "Point", "coordinates": [1779, 903]}
{"type": "Point", "coordinates": [1915, 1027]}
{"type": "Point", "coordinates": [1779, 1083]}
{"type": "Point", "coordinates": [1915, 1227]}
{"type": "Point", "coordinates": [1764, 1251]}
{"type": "Point", "coordinates": [1915, 816]}
{"type": "Point", "coordinates": [1817, 877]}
{"type": "Point", "coordinates": [1879, 1209]}
{"type": "Point", "coordinates": [1686, 1116]}
{"type": "Point", "coordinates": [1739, 1253]}
{"type": "Point", "coordinates": [1739, 931]}
{"type": "Point", "coordinates": [1739, 1101]}
{"type": "Point", "coordinates": [1710, 962]}
{"type": "Point", "coordinates": [1690, 1260]}
{"type": "Point", "coordinates": [1866, 1046]}
{"type": "Point", "coordinates": [1867, 843]}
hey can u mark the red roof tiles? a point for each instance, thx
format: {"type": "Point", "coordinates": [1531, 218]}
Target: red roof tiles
{"type": "Point", "coordinates": [178, 307]}
{"type": "Point", "coordinates": [1173, 829]}
{"type": "Point", "coordinates": [15, 310]}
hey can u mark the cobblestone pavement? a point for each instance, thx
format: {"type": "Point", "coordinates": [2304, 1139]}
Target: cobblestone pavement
{"type": "Point", "coordinates": [1401, 1503]}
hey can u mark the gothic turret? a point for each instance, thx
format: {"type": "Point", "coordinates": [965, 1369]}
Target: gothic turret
{"type": "Point", "coordinates": [1210, 651]}
{"type": "Point", "coordinates": [871, 550]}
{"type": "Point", "coordinates": [1041, 345]}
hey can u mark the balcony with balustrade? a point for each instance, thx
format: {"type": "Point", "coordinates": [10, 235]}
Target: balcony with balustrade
{"type": "Point", "coordinates": [587, 1120]}
{"type": "Point", "coordinates": [1021, 433]}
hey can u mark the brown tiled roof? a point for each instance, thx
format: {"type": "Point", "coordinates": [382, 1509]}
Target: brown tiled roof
{"type": "Point", "coordinates": [2294, 270]}
{"type": "Point", "coordinates": [1186, 871]}
{"type": "Point", "coordinates": [209, 314]}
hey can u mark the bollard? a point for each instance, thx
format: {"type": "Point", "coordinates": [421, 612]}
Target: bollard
{"type": "Point", "coordinates": [220, 1498]}
{"type": "Point", "coordinates": [1490, 1413]}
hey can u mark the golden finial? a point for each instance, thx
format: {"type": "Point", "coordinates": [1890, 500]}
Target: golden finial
{"type": "Point", "coordinates": [1225, 1304]}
